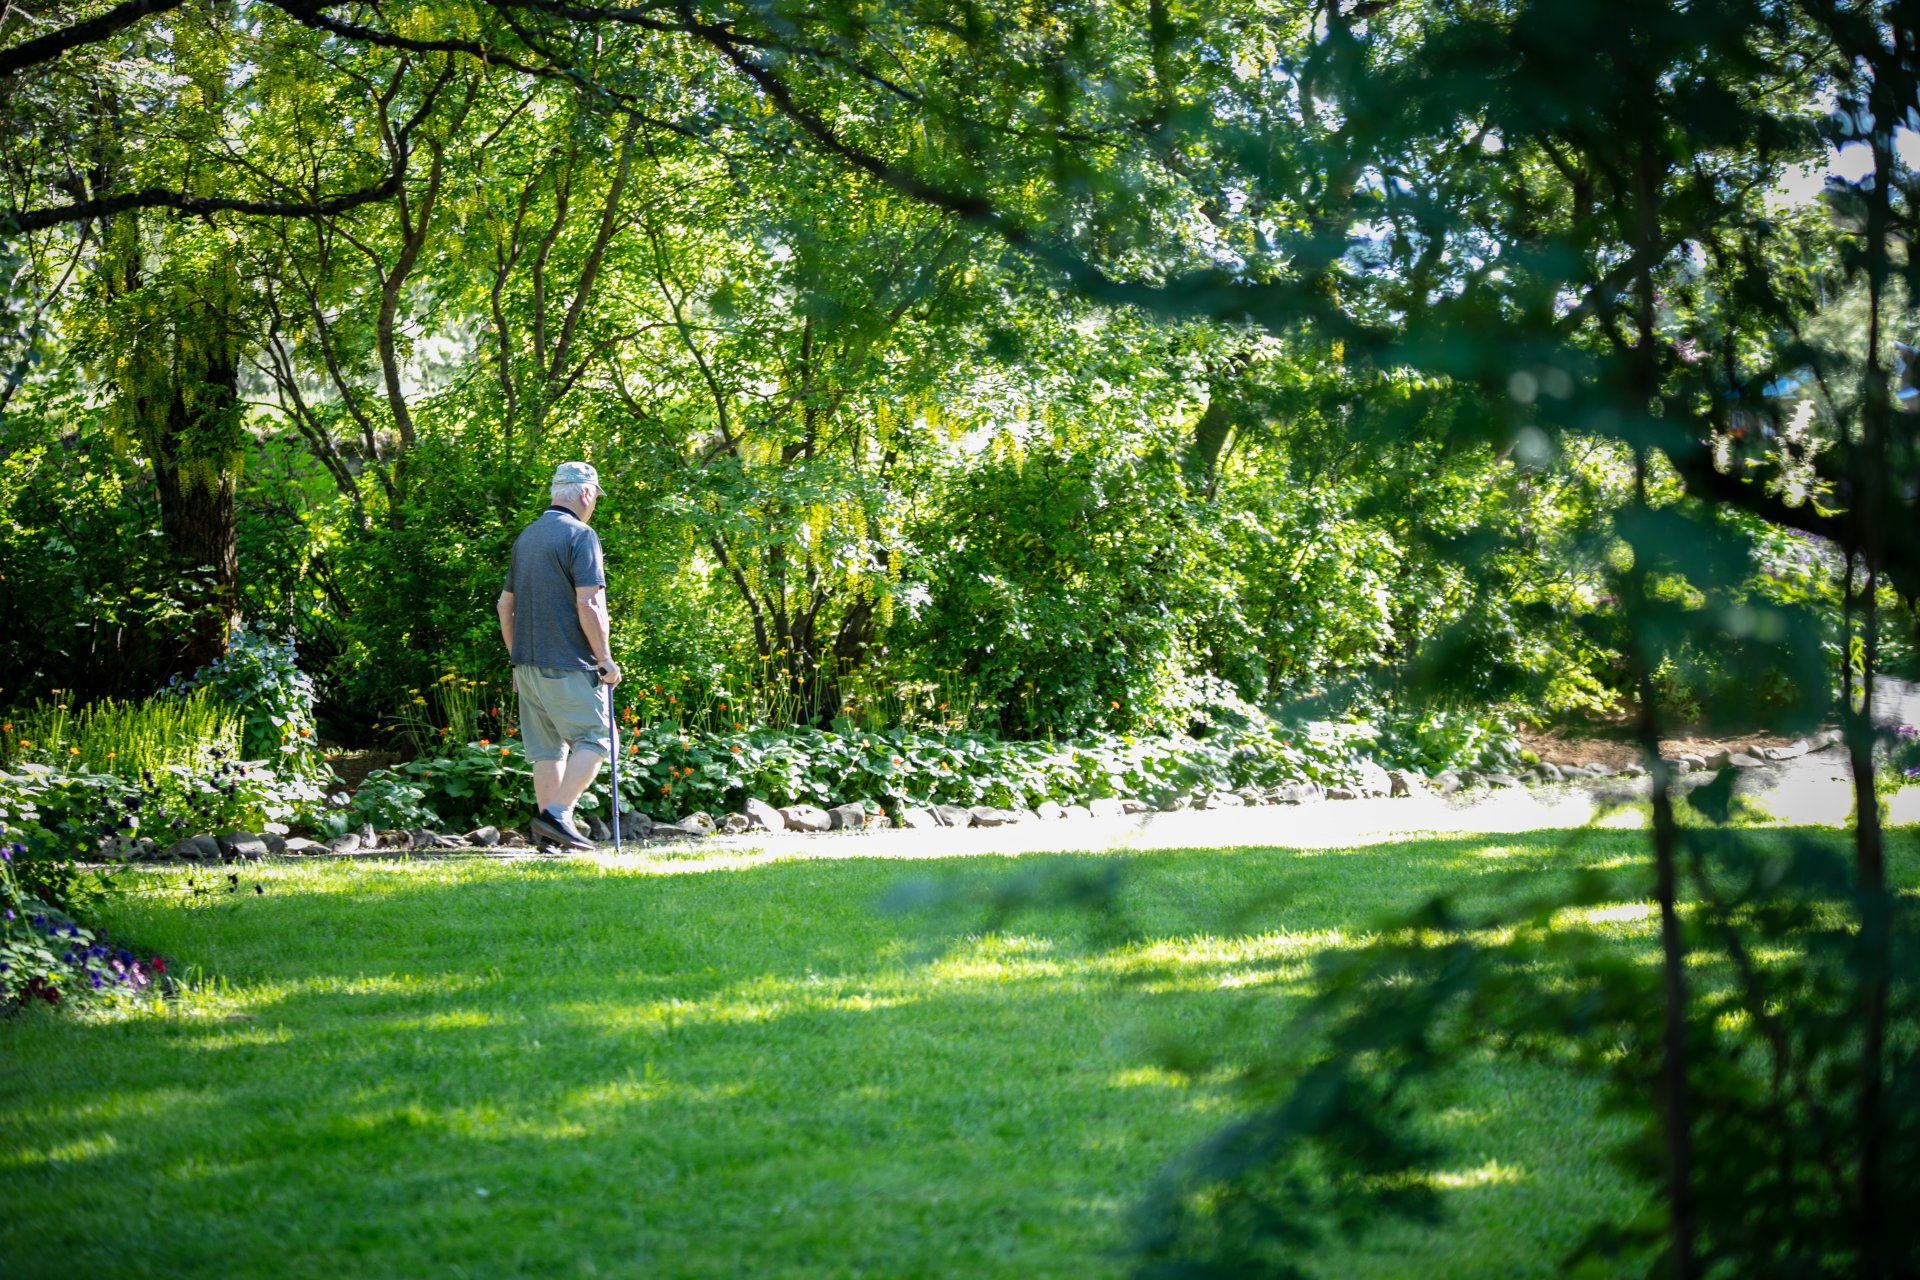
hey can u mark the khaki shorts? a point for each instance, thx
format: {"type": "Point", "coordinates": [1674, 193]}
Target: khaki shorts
{"type": "Point", "coordinates": [560, 710]}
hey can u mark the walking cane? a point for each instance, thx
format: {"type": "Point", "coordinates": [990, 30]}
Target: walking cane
{"type": "Point", "coordinates": [613, 731]}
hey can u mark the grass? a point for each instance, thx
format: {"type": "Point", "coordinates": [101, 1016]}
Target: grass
{"type": "Point", "coordinates": [695, 1068]}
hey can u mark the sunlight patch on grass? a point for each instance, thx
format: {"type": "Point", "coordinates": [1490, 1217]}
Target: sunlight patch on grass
{"type": "Point", "coordinates": [75, 1151]}
{"type": "Point", "coordinates": [1492, 1173]}
{"type": "Point", "coordinates": [1149, 1078]}
{"type": "Point", "coordinates": [1612, 913]}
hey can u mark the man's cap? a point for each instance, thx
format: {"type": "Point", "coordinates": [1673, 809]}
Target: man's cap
{"type": "Point", "coordinates": [576, 473]}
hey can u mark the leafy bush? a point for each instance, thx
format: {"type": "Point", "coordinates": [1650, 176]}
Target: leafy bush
{"type": "Point", "coordinates": [474, 783]}
{"type": "Point", "coordinates": [1433, 740]}
{"type": "Point", "coordinates": [260, 680]}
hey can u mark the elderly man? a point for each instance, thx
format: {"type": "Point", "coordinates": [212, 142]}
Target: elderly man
{"type": "Point", "coordinates": [553, 617]}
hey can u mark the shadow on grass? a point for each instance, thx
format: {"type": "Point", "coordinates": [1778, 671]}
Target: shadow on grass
{"type": "Point", "coordinates": [486, 1069]}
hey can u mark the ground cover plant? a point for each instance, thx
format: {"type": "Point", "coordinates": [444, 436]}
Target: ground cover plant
{"type": "Point", "coordinates": [746, 1066]}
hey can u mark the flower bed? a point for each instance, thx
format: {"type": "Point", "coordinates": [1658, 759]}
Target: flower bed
{"type": "Point", "coordinates": [666, 770]}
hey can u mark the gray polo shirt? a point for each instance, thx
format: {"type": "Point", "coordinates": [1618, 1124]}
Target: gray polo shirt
{"type": "Point", "coordinates": [552, 556]}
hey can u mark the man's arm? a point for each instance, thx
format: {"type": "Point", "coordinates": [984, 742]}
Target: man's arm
{"type": "Point", "coordinates": [592, 604]}
{"type": "Point", "coordinates": [504, 607]}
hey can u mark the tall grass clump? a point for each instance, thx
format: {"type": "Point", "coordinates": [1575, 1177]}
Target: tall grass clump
{"type": "Point", "coordinates": [125, 738]}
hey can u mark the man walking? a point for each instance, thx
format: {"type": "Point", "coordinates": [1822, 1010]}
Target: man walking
{"type": "Point", "coordinates": [553, 617]}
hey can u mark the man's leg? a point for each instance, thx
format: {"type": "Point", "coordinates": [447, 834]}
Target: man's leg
{"type": "Point", "coordinates": [546, 783]}
{"type": "Point", "coordinates": [572, 782]}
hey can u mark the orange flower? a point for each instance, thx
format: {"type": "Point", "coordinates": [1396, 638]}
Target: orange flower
{"type": "Point", "coordinates": [503, 751]}
{"type": "Point", "coordinates": [723, 706]}
{"type": "Point", "coordinates": [736, 750]}
{"type": "Point", "coordinates": [73, 751]}
{"type": "Point", "coordinates": [7, 727]}
{"type": "Point", "coordinates": [303, 733]}
{"type": "Point", "coordinates": [632, 750]}
{"type": "Point", "coordinates": [1116, 706]}
{"type": "Point", "coordinates": [483, 742]}
{"type": "Point", "coordinates": [738, 725]}
{"type": "Point", "coordinates": [896, 760]}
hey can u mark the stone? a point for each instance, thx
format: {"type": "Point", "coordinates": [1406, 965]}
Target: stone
{"type": "Point", "coordinates": [242, 845]}
{"type": "Point", "coordinates": [915, 818]}
{"type": "Point", "coordinates": [1633, 770]}
{"type": "Point", "coordinates": [1287, 793]}
{"type": "Point", "coordinates": [367, 836]}
{"type": "Point", "coordinates": [1107, 807]}
{"type": "Point", "coordinates": [348, 843]}
{"type": "Point", "coordinates": [735, 824]}
{"type": "Point", "coordinates": [1342, 793]}
{"type": "Point", "coordinates": [1049, 811]}
{"type": "Point", "coordinates": [953, 815]}
{"type": "Point", "coordinates": [1446, 782]}
{"type": "Point", "coordinates": [1502, 780]}
{"type": "Point", "coordinates": [275, 842]}
{"type": "Point", "coordinates": [1472, 778]}
{"type": "Point", "coordinates": [1076, 811]}
{"type": "Point", "coordinates": [1173, 804]}
{"type": "Point", "coordinates": [1406, 782]}
{"type": "Point", "coordinates": [847, 817]}
{"type": "Point", "coordinates": [514, 840]}
{"type": "Point", "coordinates": [1595, 769]}
{"type": "Point", "coordinates": [300, 847]}
{"type": "Point", "coordinates": [670, 831]}
{"type": "Point", "coordinates": [635, 826]}
{"type": "Point", "coordinates": [181, 851]}
{"type": "Point", "coordinates": [1223, 800]}
{"type": "Point", "coordinates": [763, 815]}
{"type": "Point", "coordinates": [596, 827]}
{"type": "Point", "coordinates": [145, 849]}
{"type": "Point", "coordinates": [985, 815]}
{"type": "Point", "coordinates": [484, 837]}
{"type": "Point", "coordinates": [1692, 760]}
{"type": "Point", "coordinates": [1133, 808]}
{"type": "Point", "coordinates": [698, 823]}
{"type": "Point", "coordinates": [1251, 795]}
{"type": "Point", "coordinates": [1373, 780]}
{"type": "Point", "coordinates": [1311, 790]}
{"type": "Point", "coordinates": [1792, 751]}
{"type": "Point", "coordinates": [1547, 771]}
{"type": "Point", "coordinates": [1741, 760]}
{"type": "Point", "coordinates": [806, 817]}
{"type": "Point", "coordinates": [1719, 759]}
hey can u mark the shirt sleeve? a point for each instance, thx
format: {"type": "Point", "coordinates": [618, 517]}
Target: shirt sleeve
{"type": "Point", "coordinates": [589, 570]}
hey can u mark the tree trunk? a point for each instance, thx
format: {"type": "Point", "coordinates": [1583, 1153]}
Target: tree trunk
{"type": "Point", "coordinates": [197, 503]}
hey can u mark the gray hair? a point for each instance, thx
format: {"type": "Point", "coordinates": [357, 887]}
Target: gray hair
{"type": "Point", "coordinates": [564, 493]}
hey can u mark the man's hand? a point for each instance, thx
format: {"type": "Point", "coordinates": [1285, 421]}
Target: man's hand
{"type": "Point", "coordinates": [610, 674]}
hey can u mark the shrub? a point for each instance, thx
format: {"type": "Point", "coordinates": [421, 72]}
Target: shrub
{"type": "Point", "coordinates": [259, 679]}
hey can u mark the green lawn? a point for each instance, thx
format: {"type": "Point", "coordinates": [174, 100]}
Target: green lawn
{"type": "Point", "coordinates": [471, 1068]}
